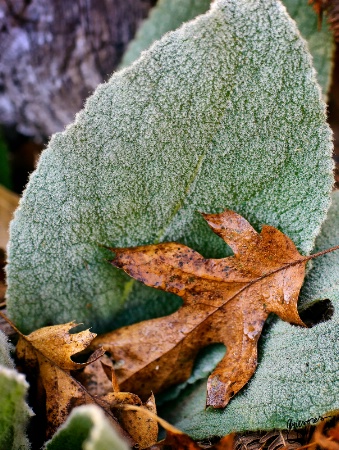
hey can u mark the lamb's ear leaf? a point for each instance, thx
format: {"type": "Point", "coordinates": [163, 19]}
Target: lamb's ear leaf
{"type": "Point", "coordinates": [224, 112]}
{"type": "Point", "coordinates": [86, 428]}
{"type": "Point", "coordinates": [14, 411]}
{"type": "Point", "coordinates": [206, 361]}
{"type": "Point", "coordinates": [297, 375]}
{"type": "Point", "coordinates": [168, 15]}
{"type": "Point", "coordinates": [5, 349]}
{"type": "Point", "coordinates": [320, 40]}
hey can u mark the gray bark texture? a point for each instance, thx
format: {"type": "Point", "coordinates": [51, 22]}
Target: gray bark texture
{"type": "Point", "coordinates": [53, 53]}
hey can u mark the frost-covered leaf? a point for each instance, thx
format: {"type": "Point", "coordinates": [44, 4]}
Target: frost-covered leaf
{"type": "Point", "coordinates": [5, 348]}
{"type": "Point", "coordinates": [224, 112]}
{"type": "Point", "coordinates": [86, 429]}
{"type": "Point", "coordinates": [297, 374]}
{"type": "Point", "coordinates": [14, 412]}
{"type": "Point", "coordinates": [206, 361]}
{"type": "Point", "coordinates": [168, 15]}
{"type": "Point", "coordinates": [320, 41]}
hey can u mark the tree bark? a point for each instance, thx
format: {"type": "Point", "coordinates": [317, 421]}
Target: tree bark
{"type": "Point", "coordinates": [53, 53]}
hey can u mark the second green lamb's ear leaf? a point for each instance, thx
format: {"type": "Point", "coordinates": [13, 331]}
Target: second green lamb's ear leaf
{"type": "Point", "coordinates": [223, 112]}
{"type": "Point", "coordinates": [166, 16]}
{"type": "Point", "coordinates": [204, 364]}
{"type": "Point", "coordinates": [320, 41]}
{"type": "Point", "coordinates": [296, 380]}
{"type": "Point", "coordinates": [5, 348]}
{"type": "Point", "coordinates": [86, 429]}
{"type": "Point", "coordinates": [14, 412]}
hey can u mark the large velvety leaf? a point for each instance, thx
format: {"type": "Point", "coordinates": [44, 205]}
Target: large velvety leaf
{"type": "Point", "coordinates": [205, 362]}
{"type": "Point", "coordinates": [320, 41]}
{"type": "Point", "coordinates": [224, 112]}
{"type": "Point", "coordinates": [5, 347]}
{"type": "Point", "coordinates": [297, 375]}
{"type": "Point", "coordinates": [86, 428]}
{"type": "Point", "coordinates": [168, 15]}
{"type": "Point", "coordinates": [14, 412]}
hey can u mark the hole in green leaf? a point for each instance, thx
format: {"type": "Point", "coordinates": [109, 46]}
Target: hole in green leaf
{"type": "Point", "coordinates": [316, 312]}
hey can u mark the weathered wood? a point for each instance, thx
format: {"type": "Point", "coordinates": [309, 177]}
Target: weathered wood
{"type": "Point", "coordinates": [53, 53]}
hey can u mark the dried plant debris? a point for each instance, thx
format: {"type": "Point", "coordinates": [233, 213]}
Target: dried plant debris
{"type": "Point", "coordinates": [45, 355]}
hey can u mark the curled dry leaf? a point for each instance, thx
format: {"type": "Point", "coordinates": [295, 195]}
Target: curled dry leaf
{"type": "Point", "coordinates": [138, 424]}
{"type": "Point", "coordinates": [176, 439]}
{"type": "Point", "coordinates": [94, 378]}
{"type": "Point", "coordinates": [225, 300]}
{"type": "Point", "coordinates": [99, 380]}
{"type": "Point", "coordinates": [45, 356]}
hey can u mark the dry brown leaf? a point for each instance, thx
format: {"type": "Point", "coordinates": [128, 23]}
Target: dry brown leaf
{"type": "Point", "coordinates": [225, 300]}
{"type": "Point", "coordinates": [327, 440]}
{"type": "Point", "coordinates": [177, 440]}
{"type": "Point", "coordinates": [138, 424]}
{"type": "Point", "coordinates": [331, 8]}
{"type": "Point", "coordinates": [94, 378]}
{"type": "Point", "coordinates": [99, 379]}
{"type": "Point", "coordinates": [45, 356]}
{"type": "Point", "coordinates": [8, 204]}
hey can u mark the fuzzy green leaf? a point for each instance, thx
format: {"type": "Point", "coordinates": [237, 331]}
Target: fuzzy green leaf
{"type": "Point", "coordinates": [14, 412]}
{"type": "Point", "coordinates": [204, 364]}
{"type": "Point", "coordinates": [223, 112]}
{"type": "Point", "coordinates": [320, 41]}
{"type": "Point", "coordinates": [297, 374]}
{"type": "Point", "coordinates": [86, 429]}
{"type": "Point", "coordinates": [5, 348]}
{"type": "Point", "coordinates": [168, 15]}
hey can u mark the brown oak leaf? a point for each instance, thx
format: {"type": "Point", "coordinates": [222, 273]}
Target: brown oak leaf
{"type": "Point", "coordinates": [176, 439]}
{"type": "Point", "coordinates": [225, 300]}
{"type": "Point", "coordinates": [45, 356]}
